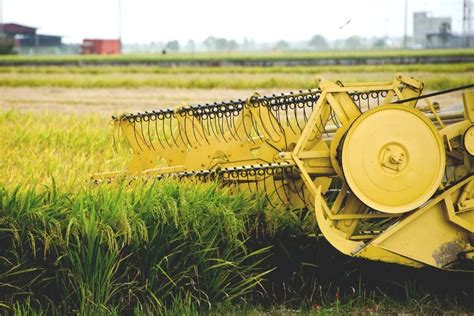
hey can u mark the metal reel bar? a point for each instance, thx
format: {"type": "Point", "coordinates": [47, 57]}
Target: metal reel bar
{"type": "Point", "coordinates": [196, 125]}
{"type": "Point", "coordinates": [277, 181]}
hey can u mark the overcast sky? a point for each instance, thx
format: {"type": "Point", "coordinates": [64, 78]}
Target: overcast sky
{"type": "Point", "coordinates": [263, 20]}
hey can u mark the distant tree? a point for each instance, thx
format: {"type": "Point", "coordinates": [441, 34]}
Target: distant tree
{"type": "Point", "coordinates": [282, 45]}
{"type": "Point", "coordinates": [191, 46]}
{"type": "Point", "coordinates": [248, 44]}
{"type": "Point", "coordinates": [380, 43]}
{"type": "Point", "coordinates": [221, 44]}
{"type": "Point", "coordinates": [210, 43]}
{"type": "Point", "coordinates": [353, 42]}
{"type": "Point", "coordinates": [232, 45]}
{"type": "Point", "coordinates": [6, 45]}
{"type": "Point", "coordinates": [318, 42]}
{"type": "Point", "coordinates": [173, 46]}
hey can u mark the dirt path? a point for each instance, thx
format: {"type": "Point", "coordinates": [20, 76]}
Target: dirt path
{"type": "Point", "coordinates": [116, 101]}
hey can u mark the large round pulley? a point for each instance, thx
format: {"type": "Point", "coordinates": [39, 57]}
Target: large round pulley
{"type": "Point", "coordinates": [468, 140]}
{"type": "Point", "coordinates": [393, 158]}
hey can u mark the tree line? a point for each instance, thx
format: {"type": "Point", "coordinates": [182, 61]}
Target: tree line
{"type": "Point", "coordinates": [316, 42]}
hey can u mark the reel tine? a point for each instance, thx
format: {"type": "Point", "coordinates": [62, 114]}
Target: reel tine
{"type": "Point", "coordinates": [255, 125]}
{"type": "Point", "coordinates": [287, 117]}
{"type": "Point", "coordinates": [268, 196]}
{"type": "Point", "coordinates": [180, 130]}
{"type": "Point", "coordinates": [202, 130]}
{"type": "Point", "coordinates": [147, 116]}
{"type": "Point", "coordinates": [214, 127]}
{"type": "Point", "coordinates": [228, 119]}
{"type": "Point", "coordinates": [212, 122]}
{"type": "Point", "coordinates": [305, 116]}
{"type": "Point", "coordinates": [170, 117]}
{"type": "Point", "coordinates": [302, 195]}
{"type": "Point", "coordinates": [256, 181]}
{"type": "Point", "coordinates": [163, 128]}
{"type": "Point", "coordinates": [208, 125]}
{"type": "Point", "coordinates": [219, 111]}
{"type": "Point", "coordinates": [333, 118]}
{"type": "Point", "coordinates": [251, 173]}
{"type": "Point", "coordinates": [233, 114]}
{"type": "Point", "coordinates": [323, 126]}
{"type": "Point", "coordinates": [262, 122]}
{"type": "Point", "coordinates": [141, 130]}
{"type": "Point", "coordinates": [278, 171]}
{"type": "Point", "coordinates": [293, 188]}
{"type": "Point", "coordinates": [296, 112]}
{"type": "Point", "coordinates": [319, 131]}
{"type": "Point", "coordinates": [249, 136]}
{"type": "Point", "coordinates": [307, 100]}
{"type": "Point", "coordinates": [133, 120]}
{"type": "Point", "coordinates": [277, 115]}
{"type": "Point", "coordinates": [220, 122]}
{"type": "Point", "coordinates": [284, 184]}
{"type": "Point", "coordinates": [156, 129]}
{"type": "Point", "coordinates": [145, 127]}
{"type": "Point", "coordinates": [194, 128]}
{"type": "Point", "coordinates": [271, 116]}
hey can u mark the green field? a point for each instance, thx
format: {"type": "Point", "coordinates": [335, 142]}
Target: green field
{"type": "Point", "coordinates": [73, 247]}
{"type": "Point", "coordinates": [223, 57]}
{"type": "Point", "coordinates": [435, 76]}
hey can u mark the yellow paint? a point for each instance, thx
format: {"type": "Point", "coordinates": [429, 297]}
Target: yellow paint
{"type": "Point", "coordinates": [395, 167]}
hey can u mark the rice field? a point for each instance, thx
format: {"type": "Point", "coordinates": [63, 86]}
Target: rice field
{"type": "Point", "coordinates": [436, 77]}
{"type": "Point", "coordinates": [228, 57]}
{"type": "Point", "coordinates": [72, 247]}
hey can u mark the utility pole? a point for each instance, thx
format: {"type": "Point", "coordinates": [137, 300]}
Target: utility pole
{"type": "Point", "coordinates": [119, 8]}
{"type": "Point", "coordinates": [405, 35]}
{"type": "Point", "coordinates": [467, 17]}
{"type": "Point", "coordinates": [1, 18]}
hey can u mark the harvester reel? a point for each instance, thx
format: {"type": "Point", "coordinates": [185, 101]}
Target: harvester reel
{"type": "Point", "coordinates": [384, 181]}
{"type": "Point", "coordinates": [393, 158]}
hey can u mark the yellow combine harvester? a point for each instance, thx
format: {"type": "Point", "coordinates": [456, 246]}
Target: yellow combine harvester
{"type": "Point", "coordinates": [378, 155]}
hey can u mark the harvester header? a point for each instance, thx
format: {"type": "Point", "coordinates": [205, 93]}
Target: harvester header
{"type": "Point", "coordinates": [378, 154]}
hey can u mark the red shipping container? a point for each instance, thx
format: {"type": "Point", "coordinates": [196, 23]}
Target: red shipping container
{"type": "Point", "coordinates": [101, 46]}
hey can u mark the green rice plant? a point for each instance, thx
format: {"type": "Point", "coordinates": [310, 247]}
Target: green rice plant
{"type": "Point", "coordinates": [312, 70]}
{"type": "Point", "coordinates": [70, 247]}
{"type": "Point", "coordinates": [127, 59]}
{"type": "Point", "coordinates": [106, 249]}
{"type": "Point", "coordinates": [37, 147]}
{"type": "Point", "coordinates": [253, 81]}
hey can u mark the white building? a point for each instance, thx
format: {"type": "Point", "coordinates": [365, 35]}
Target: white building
{"type": "Point", "coordinates": [423, 24]}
